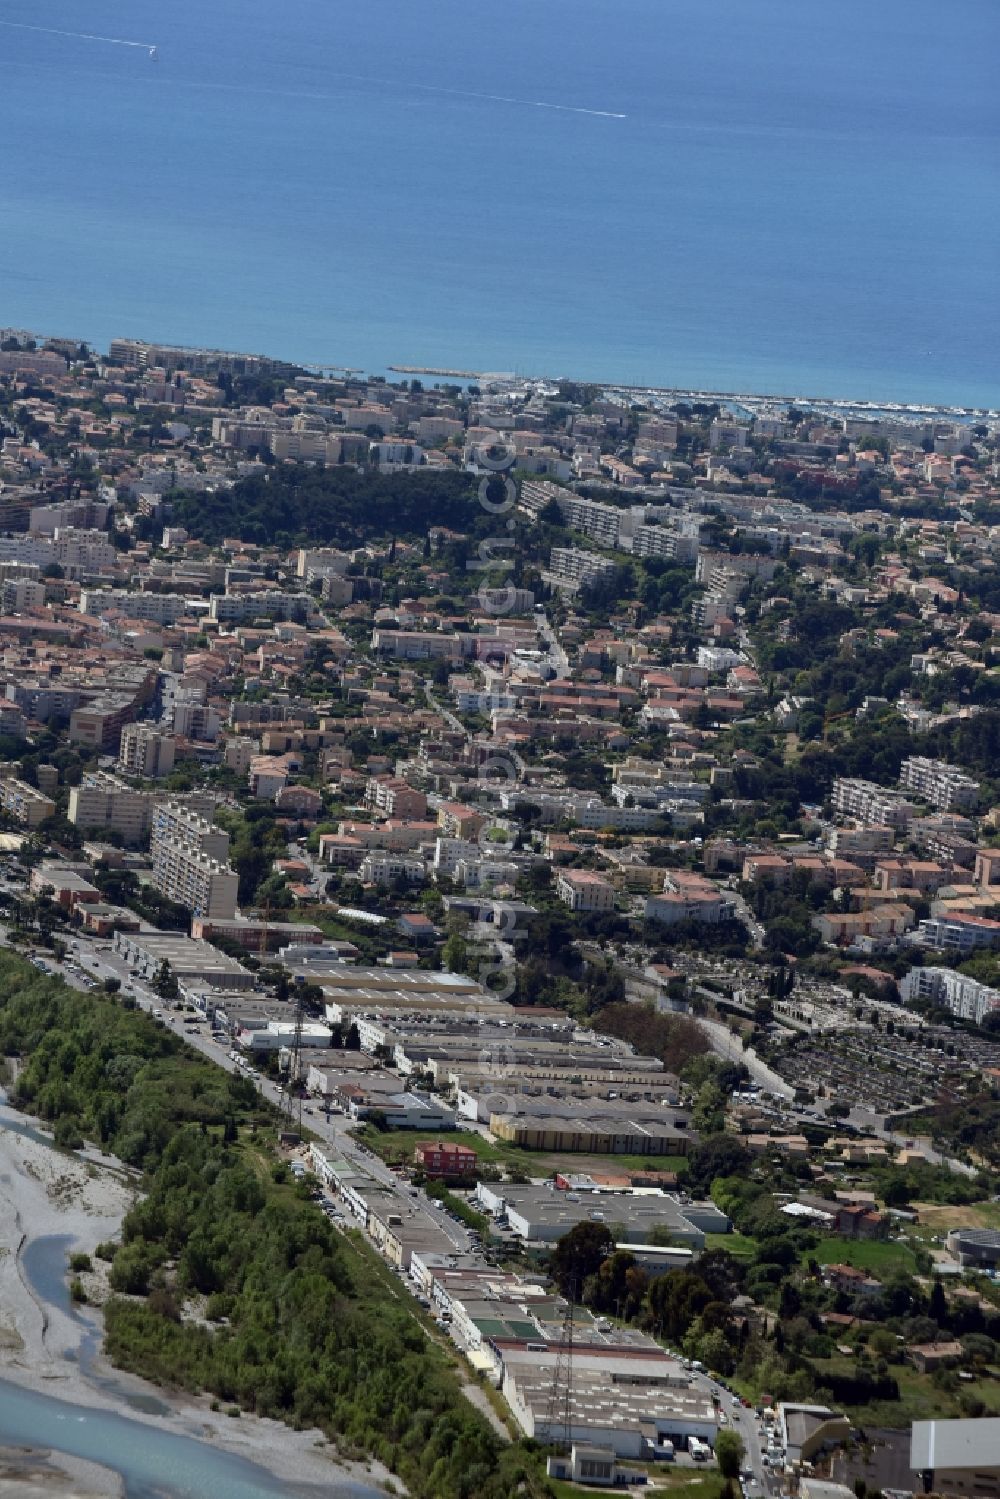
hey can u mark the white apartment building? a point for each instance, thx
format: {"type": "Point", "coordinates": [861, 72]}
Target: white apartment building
{"type": "Point", "coordinates": [321, 559]}
{"type": "Point", "coordinates": [717, 605]}
{"type": "Point", "coordinates": [604, 523]}
{"type": "Point", "coordinates": [724, 434]}
{"type": "Point", "coordinates": [20, 572]}
{"type": "Point", "coordinates": [393, 454]}
{"type": "Point", "coordinates": [135, 353]}
{"type": "Point", "coordinates": [26, 804]}
{"type": "Point", "coordinates": [574, 568]}
{"type": "Point", "coordinates": [469, 698]}
{"type": "Point", "coordinates": [662, 541]}
{"type": "Point", "coordinates": [450, 852]}
{"type": "Point", "coordinates": [944, 786]}
{"type": "Point", "coordinates": [432, 429]}
{"type": "Point", "coordinates": [190, 863]}
{"type": "Point", "coordinates": [381, 867]}
{"type": "Point", "coordinates": [963, 996]}
{"type": "Point", "coordinates": [601, 522]}
{"type": "Point", "coordinates": [18, 595]}
{"type": "Point", "coordinates": [173, 823]}
{"type": "Point", "coordinates": [206, 887]}
{"type": "Point", "coordinates": [422, 645]}
{"type": "Point", "coordinates": [155, 608]}
{"type": "Point", "coordinates": [305, 446]}
{"type": "Point", "coordinates": [505, 600]}
{"type": "Point", "coordinates": [958, 933]}
{"type": "Point", "coordinates": [12, 720]}
{"type": "Point", "coordinates": [863, 846]}
{"type": "Point", "coordinates": [239, 752]}
{"type": "Point", "coordinates": [82, 551]}
{"type": "Point", "coordinates": [236, 608]}
{"type": "Point", "coordinates": [268, 776]}
{"type": "Point", "coordinates": [583, 890]}
{"type": "Point", "coordinates": [537, 493]}
{"type": "Point", "coordinates": [27, 550]}
{"type": "Point", "coordinates": [718, 657]}
{"type": "Point", "coordinates": [485, 874]}
{"type": "Point", "coordinates": [196, 721]}
{"type": "Point", "coordinates": [145, 751]}
{"type": "Point", "coordinates": [44, 520]}
{"type": "Point", "coordinates": [660, 793]}
{"type": "Point", "coordinates": [585, 811]}
{"type": "Point", "coordinates": [721, 568]}
{"type": "Point", "coordinates": [103, 803]}
{"type": "Point", "coordinates": [76, 552]}
{"type": "Point", "coordinates": [870, 804]}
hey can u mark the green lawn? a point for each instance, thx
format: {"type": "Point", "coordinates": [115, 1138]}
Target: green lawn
{"type": "Point", "coordinates": [677, 1483]}
{"type": "Point", "coordinates": [687, 1483]}
{"type": "Point", "coordinates": [880, 1256]}
{"type": "Point", "coordinates": [397, 1145]}
{"type": "Point", "coordinates": [647, 1162]}
{"type": "Point", "coordinates": [735, 1244]}
{"type": "Point", "coordinates": [919, 1398]}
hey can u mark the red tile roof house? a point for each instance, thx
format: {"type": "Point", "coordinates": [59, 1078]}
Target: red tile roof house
{"type": "Point", "coordinates": [850, 1279]}
{"type": "Point", "coordinates": [857, 1222]}
{"type": "Point", "coordinates": [416, 926]}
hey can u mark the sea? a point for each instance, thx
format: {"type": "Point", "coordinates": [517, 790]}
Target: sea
{"type": "Point", "coordinates": [795, 196]}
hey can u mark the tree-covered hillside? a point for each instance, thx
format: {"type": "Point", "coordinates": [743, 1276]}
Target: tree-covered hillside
{"type": "Point", "coordinates": [296, 504]}
{"type": "Point", "coordinates": [236, 1284]}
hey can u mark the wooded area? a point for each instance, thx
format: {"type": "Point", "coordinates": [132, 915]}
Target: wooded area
{"type": "Point", "coordinates": [292, 1321]}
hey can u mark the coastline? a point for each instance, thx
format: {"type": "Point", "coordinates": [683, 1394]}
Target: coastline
{"type": "Point", "coordinates": [81, 1198]}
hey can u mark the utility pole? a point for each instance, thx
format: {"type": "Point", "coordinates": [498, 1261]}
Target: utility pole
{"type": "Point", "coordinates": [559, 1415]}
{"type": "Point", "coordinates": [292, 1093]}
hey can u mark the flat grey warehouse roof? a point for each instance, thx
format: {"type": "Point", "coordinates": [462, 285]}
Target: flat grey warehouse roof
{"type": "Point", "coordinates": [937, 1445]}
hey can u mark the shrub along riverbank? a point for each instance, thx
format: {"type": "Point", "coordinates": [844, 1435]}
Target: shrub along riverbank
{"type": "Point", "coordinates": [291, 1323]}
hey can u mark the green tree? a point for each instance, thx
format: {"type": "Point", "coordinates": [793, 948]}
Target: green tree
{"type": "Point", "coordinates": [165, 981]}
{"type": "Point", "coordinates": [455, 954]}
{"type": "Point", "coordinates": [715, 1350]}
{"type": "Point", "coordinates": [937, 1305]}
{"type": "Point", "coordinates": [619, 1286]}
{"type": "Point", "coordinates": [580, 1254]}
{"type": "Point", "coordinates": [729, 1453]}
{"type": "Point", "coordinates": [708, 1114]}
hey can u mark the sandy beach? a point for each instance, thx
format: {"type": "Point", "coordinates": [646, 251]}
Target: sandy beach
{"type": "Point", "coordinates": [82, 1197]}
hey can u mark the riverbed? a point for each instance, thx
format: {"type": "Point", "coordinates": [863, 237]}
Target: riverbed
{"type": "Point", "coordinates": [71, 1424]}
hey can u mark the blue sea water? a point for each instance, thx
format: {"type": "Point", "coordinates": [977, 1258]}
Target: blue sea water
{"type": "Point", "coordinates": [736, 194]}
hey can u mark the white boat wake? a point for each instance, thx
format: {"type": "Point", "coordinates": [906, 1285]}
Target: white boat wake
{"type": "Point", "coordinates": [427, 88]}
{"type": "Point", "coordinates": [81, 36]}
{"type": "Point", "coordinates": [396, 86]}
{"type": "Point", "coordinates": [574, 109]}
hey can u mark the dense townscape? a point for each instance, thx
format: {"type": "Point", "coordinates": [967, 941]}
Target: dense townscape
{"type": "Point", "coordinates": [515, 866]}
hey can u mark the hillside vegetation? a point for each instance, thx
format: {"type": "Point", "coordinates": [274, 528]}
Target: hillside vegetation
{"type": "Point", "coordinates": [292, 1321]}
{"type": "Point", "coordinates": [343, 506]}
